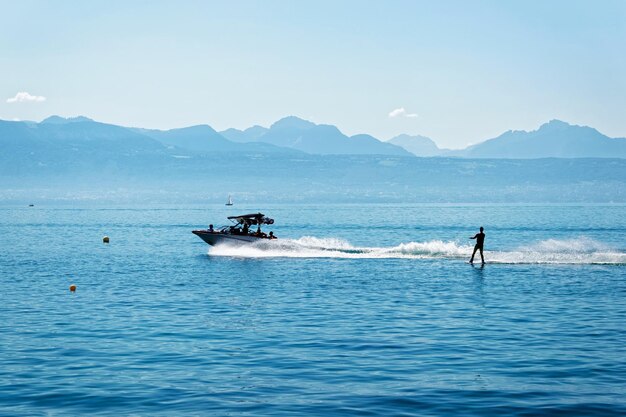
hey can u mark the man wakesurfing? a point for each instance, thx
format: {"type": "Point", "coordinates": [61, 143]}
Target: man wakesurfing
{"type": "Point", "coordinates": [480, 239]}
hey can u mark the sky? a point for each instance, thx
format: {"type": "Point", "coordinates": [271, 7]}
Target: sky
{"type": "Point", "coordinates": [458, 72]}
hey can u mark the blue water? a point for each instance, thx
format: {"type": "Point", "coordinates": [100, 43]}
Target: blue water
{"type": "Point", "coordinates": [355, 310]}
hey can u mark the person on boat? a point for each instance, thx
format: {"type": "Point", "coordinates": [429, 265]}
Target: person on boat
{"type": "Point", "coordinates": [245, 229]}
{"type": "Point", "coordinates": [271, 236]}
{"type": "Point", "coordinates": [480, 240]}
{"type": "Point", "coordinates": [211, 229]}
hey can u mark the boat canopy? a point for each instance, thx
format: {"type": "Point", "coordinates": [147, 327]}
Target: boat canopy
{"type": "Point", "coordinates": [252, 219]}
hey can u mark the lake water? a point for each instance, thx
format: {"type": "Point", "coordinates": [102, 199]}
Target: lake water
{"type": "Point", "coordinates": [355, 310]}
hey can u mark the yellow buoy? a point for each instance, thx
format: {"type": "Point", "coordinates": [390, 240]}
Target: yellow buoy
{"type": "Point", "coordinates": [72, 288]}
{"type": "Point", "coordinates": [105, 239]}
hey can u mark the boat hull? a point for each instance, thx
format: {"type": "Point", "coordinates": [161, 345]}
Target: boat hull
{"type": "Point", "coordinates": [217, 238]}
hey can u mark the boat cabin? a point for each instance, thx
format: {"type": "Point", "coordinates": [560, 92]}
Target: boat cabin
{"type": "Point", "coordinates": [243, 223]}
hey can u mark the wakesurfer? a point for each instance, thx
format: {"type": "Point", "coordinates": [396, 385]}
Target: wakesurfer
{"type": "Point", "coordinates": [480, 240]}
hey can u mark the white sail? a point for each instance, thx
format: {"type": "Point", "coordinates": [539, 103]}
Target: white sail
{"type": "Point", "coordinates": [230, 201]}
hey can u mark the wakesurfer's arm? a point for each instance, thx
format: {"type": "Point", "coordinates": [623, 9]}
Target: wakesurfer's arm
{"type": "Point", "coordinates": [475, 236]}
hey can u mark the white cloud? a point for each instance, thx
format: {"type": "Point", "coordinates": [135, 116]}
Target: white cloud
{"type": "Point", "coordinates": [401, 112]}
{"type": "Point", "coordinates": [24, 96]}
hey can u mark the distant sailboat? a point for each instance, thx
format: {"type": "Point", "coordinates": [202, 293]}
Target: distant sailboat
{"type": "Point", "coordinates": [230, 201]}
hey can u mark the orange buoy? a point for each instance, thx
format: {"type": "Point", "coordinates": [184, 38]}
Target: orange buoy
{"type": "Point", "coordinates": [105, 239]}
{"type": "Point", "coordinates": [72, 288]}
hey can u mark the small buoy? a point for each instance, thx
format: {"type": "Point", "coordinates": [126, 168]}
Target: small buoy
{"type": "Point", "coordinates": [105, 239]}
{"type": "Point", "coordinates": [72, 288]}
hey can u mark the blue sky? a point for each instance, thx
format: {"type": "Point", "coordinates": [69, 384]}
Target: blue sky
{"type": "Point", "coordinates": [462, 71]}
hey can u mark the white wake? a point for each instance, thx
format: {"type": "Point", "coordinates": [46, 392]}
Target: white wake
{"type": "Point", "coordinates": [552, 251]}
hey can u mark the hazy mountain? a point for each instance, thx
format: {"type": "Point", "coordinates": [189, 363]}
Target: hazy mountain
{"type": "Point", "coordinates": [204, 139]}
{"type": "Point", "coordinates": [554, 139]}
{"type": "Point", "coordinates": [64, 143]}
{"type": "Point", "coordinates": [370, 145]}
{"type": "Point", "coordinates": [251, 134]}
{"type": "Point", "coordinates": [306, 136]}
{"type": "Point", "coordinates": [292, 123]}
{"type": "Point", "coordinates": [287, 132]}
{"type": "Point", "coordinates": [64, 120]}
{"type": "Point", "coordinates": [74, 151]}
{"type": "Point", "coordinates": [417, 145]}
{"type": "Point", "coordinates": [74, 134]}
{"type": "Point", "coordinates": [201, 138]}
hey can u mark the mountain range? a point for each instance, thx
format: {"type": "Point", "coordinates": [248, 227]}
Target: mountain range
{"type": "Point", "coordinates": [418, 145]}
{"type": "Point", "coordinates": [295, 133]}
{"type": "Point", "coordinates": [555, 139]}
{"type": "Point", "coordinates": [297, 160]}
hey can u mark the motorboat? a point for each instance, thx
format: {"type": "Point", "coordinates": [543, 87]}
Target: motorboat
{"type": "Point", "coordinates": [239, 232]}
